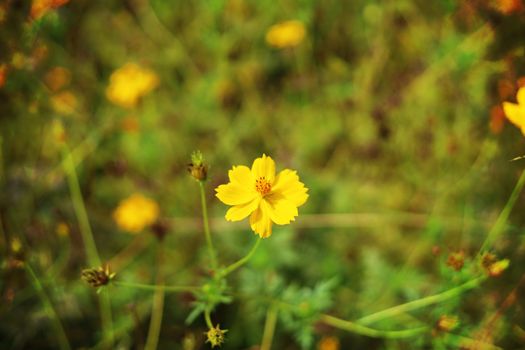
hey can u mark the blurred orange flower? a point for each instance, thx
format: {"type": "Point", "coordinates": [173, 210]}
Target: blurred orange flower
{"type": "Point", "coordinates": [516, 112]}
{"type": "Point", "coordinates": [3, 74]}
{"type": "Point", "coordinates": [328, 343]}
{"type": "Point", "coordinates": [497, 119]}
{"type": "Point", "coordinates": [286, 34]}
{"type": "Point", "coordinates": [507, 7]}
{"type": "Point", "coordinates": [136, 212]}
{"type": "Point", "coordinates": [129, 83]}
{"type": "Point", "coordinates": [57, 78]}
{"type": "Point", "coordinates": [41, 7]}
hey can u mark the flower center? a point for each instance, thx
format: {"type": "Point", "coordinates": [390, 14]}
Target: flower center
{"type": "Point", "coordinates": [262, 185]}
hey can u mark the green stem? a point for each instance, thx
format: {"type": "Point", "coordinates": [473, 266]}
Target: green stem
{"type": "Point", "coordinates": [205, 220]}
{"type": "Point", "coordinates": [499, 226]}
{"type": "Point", "coordinates": [158, 304]}
{"type": "Point", "coordinates": [226, 271]}
{"type": "Point", "coordinates": [269, 327]}
{"type": "Point", "coordinates": [370, 332]}
{"type": "Point", "coordinates": [419, 303]}
{"type": "Point", "coordinates": [89, 241]}
{"type": "Point", "coordinates": [80, 209]}
{"type": "Point", "coordinates": [63, 342]}
{"type": "Point", "coordinates": [207, 318]}
{"type": "Point", "coordinates": [155, 287]}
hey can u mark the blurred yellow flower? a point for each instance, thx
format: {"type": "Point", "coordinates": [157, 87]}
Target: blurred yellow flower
{"type": "Point", "coordinates": [62, 229]}
{"type": "Point", "coordinates": [259, 192]}
{"type": "Point", "coordinates": [129, 83]}
{"type": "Point", "coordinates": [447, 323]}
{"type": "Point", "coordinates": [64, 102]}
{"type": "Point", "coordinates": [136, 212]}
{"type": "Point", "coordinates": [516, 112]}
{"type": "Point", "coordinates": [16, 245]}
{"type": "Point", "coordinates": [286, 34]}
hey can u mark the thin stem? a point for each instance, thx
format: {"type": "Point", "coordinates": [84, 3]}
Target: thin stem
{"type": "Point", "coordinates": [80, 209]}
{"type": "Point", "coordinates": [63, 342]}
{"type": "Point", "coordinates": [205, 220]}
{"type": "Point", "coordinates": [155, 287]}
{"type": "Point", "coordinates": [89, 241]}
{"type": "Point", "coordinates": [419, 303]}
{"type": "Point", "coordinates": [226, 271]}
{"type": "Point", "coordinates": [370, 332]}
{"type": "Point", "coordinates": [498, 227]}
{"type": "Point", "coordinates": [106, 318]}
{"type": "Point", "coordinates": [208, 319]}
{"type": "Point", "coordinates": [158, 304]}
{"type": "Point", "coordinates": [269, 327]}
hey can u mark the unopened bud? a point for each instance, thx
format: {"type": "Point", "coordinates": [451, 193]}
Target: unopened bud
{"type": "Point", "coordinates": [197, 168]}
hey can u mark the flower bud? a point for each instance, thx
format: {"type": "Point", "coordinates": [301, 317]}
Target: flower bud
{"type": "Point", "coordinates": [197, 168]}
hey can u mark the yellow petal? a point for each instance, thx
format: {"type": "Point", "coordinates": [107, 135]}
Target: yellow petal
{"type": "Point", "coordinates": [261, 223]}
{"type": "Point", "coordinates": [239, 212]}
{"type": "Point", "coordinates": [520, 96]}
{"type": "Point", "coordinates": [242, 176]}
{"type": "Point", "coordinates": [514, 113]}
{"type": "Point", "coordinates": [264, 167]}
{"type": "Point", "coordinates": [234, 194]}
{"type": "Point", "coordinates": [281, 210]}
{"type": "Point", "coordinates": [287, 184]}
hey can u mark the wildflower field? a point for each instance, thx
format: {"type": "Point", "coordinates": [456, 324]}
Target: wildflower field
{"type": "Point", "coordinates": [283, 175]}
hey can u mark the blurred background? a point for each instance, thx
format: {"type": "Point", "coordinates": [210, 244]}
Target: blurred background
{"type": "Point", "coordinates": [390, 111]}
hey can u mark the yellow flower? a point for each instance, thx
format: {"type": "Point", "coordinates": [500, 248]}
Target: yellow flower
{"type": "Point", "coordinates": [129, 83]}
{"type": "Point", "coordinates": [516, 112]}
{"type": "Point", "coordinates": [259, 192]}
{"type": "Point", "coordinates": [136, 212]}
{"type": "Point", "coordinates": [286, 34]}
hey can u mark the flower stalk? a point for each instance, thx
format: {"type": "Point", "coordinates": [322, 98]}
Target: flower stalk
{"type": "Point", "coordinates": [370, 332]}
{"type": "Point", "coordinates": [269, 327]}
{"type": "Point", "coordinates": [419, 303]}
{"type": "Point", "coordinates": [205, 221]}
{"type": "Point", "coordinates": [226, 271]}
{"type": "Point", "coordinates": [63, 342]}
{"type": "Point", "coordinates": [88, 240]}
{"type": "Point", "coordinates": [158, 303]}
{"type": "Point", "coordinates": [499, 226]}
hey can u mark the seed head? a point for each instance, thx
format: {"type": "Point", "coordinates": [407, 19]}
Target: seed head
{"type": "Point", "coordinates": [215, 336]}
{"type": "Point", "coordinates": [456, 260]}
{"type": "Point", "coordinates": [492, 266]}
{"type": "Point", "coordinates": [97, 277]}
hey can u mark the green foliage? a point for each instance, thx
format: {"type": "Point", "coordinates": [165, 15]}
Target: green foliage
{"type": "Point", "coordinates": [302, 308]}
{"type": "Point", "coordinates": [213, 292]}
